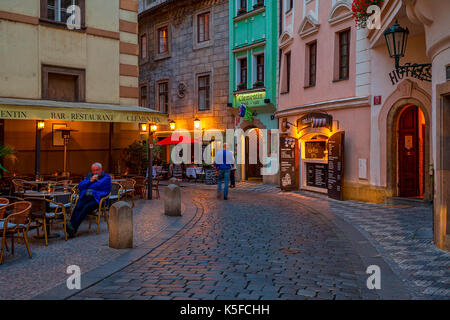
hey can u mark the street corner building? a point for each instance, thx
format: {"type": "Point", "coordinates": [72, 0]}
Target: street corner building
{"type": "Point", "coordinates": [253, 57]}
{"type": "Point", "coordinates": [69, 95]}
{"type": "Point", "coordinates": [363, 113]}
{"type": "Point", "coordinates": [183, 64]}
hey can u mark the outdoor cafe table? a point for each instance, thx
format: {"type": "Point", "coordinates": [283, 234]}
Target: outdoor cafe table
{"type": "Point", "coordinates": [50, 196]}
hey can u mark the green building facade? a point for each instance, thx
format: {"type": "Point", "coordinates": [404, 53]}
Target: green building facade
{"type": "Point", "coordinates": [253, 59]}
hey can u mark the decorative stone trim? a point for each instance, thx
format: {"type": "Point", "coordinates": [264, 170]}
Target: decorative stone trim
{"type": "Point", "coordinates": [308, 26]}
{"type": "Point", "coordinates": [340, 12]}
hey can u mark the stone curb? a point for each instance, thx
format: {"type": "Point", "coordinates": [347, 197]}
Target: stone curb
{"type": "Point", "coordinates": [392, 286]}
{"type": "Point", "coordinates": [61, 292]}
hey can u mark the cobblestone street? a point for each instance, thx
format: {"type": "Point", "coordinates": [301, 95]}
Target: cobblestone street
{"type": "Point", "coordinates": [257, 245]}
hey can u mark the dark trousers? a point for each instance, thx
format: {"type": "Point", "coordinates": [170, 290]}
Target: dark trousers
{"type": "Point", "coordinates": [232, 178]}
{"type": "Point", "coordinates": [84, 206]}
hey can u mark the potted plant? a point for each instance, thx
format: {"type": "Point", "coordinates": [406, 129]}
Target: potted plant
{"type": "Point", "coordinates": [6, 152]}
{"type": "Point", "coordinates": [241, 86]}
{"type": "Point", "coordinates": [359, 8]}
{"type": "Point", "coordinates": [258, 84]}
{"type": "Point", "coordinates": [241, 11]}
{"type": "Point", "coordinates": [258, 4]}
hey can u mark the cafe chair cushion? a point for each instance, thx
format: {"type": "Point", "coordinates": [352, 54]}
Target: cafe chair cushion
{"type": "Point", "coordinates": [11, 225]}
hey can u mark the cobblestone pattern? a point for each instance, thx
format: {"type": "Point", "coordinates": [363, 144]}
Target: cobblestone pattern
{"type": "Point", "coordinates": [252, 247]}
{"type": "Point", "coordinates": [403, 232]}
{"type": "Point", "coordinates": [24, 278]}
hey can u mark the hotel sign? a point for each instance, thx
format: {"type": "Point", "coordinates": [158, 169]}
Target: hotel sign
{"type": "Point", "coordinates": [252, 99]}
{"type": "Point", "coordinates": [72, 114]}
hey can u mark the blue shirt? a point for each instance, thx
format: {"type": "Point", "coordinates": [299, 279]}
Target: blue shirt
{"type": "Point", "coordinates": [100, 188]}
{"type": "Point", "coordinates": [224, 160]}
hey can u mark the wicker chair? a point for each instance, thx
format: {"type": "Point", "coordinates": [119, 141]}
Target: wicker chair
{"type": "Point", "coordinates": [16, 223]}
{"type": "Point", "coordinates": [128, 190]}
{"type": "Point", "coordinates": [102, 210]}
{"type": "Point", "coordinates": [116, 191]}
{"type": "Point", "coordinates": [155, 186]}
{"type": "Point", "coordinates": [139, 186]}
{"type": "Point", "coordinates": [4, 201]}
{"type": "Point", "coordinates": [58, 212]}
{"type": "Point", "coordinates": [20, 186]}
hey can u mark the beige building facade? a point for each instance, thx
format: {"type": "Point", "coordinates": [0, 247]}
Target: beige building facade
{"type": "Point", "coordinates": [74, 69]}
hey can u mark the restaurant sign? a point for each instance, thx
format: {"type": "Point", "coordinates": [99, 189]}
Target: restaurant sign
{"type": "Point", "coordinates": [314, 120]}
{"type": "Point", "coordinates": [252, 99]}
{"type": "Point", "coordinates": [78, 114]}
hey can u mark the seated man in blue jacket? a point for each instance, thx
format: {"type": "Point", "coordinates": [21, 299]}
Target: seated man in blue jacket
{"type": "Point", "coordinates": [92, 189]}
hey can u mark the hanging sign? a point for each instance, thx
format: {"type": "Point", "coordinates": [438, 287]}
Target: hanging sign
{"type": "Point", "coordinates": [288, 163]}
{"type": "Point", "coordinates": [314, 120]}
{"type": "Point", "coordinates": [335, 165]}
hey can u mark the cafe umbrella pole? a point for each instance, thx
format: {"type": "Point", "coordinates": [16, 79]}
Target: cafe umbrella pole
{"type": "Point", "coordinates": [150, 165]}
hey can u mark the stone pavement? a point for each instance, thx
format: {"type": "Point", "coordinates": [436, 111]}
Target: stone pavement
{"type": "Point", "coordinates": [254, 246]}
{"type": "Point", "coordinates": [401, 233]}
{"type": "Point", "coordinates": [24, 278]}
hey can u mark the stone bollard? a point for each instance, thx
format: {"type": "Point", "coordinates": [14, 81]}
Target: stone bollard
{"type": "Point", "coordinates": [172, 200]}
{"type": "Point", "coordinates": [121, 225]}
{"type": "Point", "coordinates": [174, 181]}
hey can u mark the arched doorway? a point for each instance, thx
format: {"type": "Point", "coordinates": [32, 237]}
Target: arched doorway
{"type": "Point", "coordinates": [253, 166]}
{"type": "Point", "coordinates": [411, 152]}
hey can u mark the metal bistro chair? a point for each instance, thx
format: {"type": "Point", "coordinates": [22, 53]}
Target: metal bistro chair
{"type": "Point", "coordinates": [128, 190]}
{"type": "Point", "coordinates": [102, 210]}
{"type": "Point", "coordinates": [58, 211]}
{"type": "Point", "coordinates": [139, 186]}
{"type": "Point", "coordinates": [14, 224]}
{"type": "Point", "coordinates": [155, 187]}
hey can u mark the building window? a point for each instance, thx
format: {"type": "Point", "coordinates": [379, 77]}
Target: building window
{"type": "Point", "coordinates": [242, 5]}
{"type": "Point", "coordinates": [242, 73]}
{"type": "Point", "coordinates": [204, 93]}
{"type": "Point", "coordinates": [312, 65]}
{"type": "Point", "coordinates": [63, 84]}
{"type": "Point", "coordinates": [289, 5]}
{"type": "Point", "coordinates": [56, 10]}
{"type": "Point", "coordinates": [143, 96]}
{"type": "Point", "coordinates": [288, 71]}
{"type": "Point", "coordinates": [259, 68]}
{"type": "Point", "coordinates": [344, 54]}
{"type": "Point", "coordinates": [163, 96]}
{"type": "Point", "coordinates": [163, 40]}
{"type": "Point", "coordinates": [203, 21]}
{"type": "Point", "coordinates": [143, 47]}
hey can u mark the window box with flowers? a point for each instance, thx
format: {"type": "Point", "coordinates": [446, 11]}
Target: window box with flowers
{"type": "Point", "coordinates": [241, 11]}
{"type": "Point", "coordinates": [359, 9]}
{"type": "Point", "coordinates": [258, 84]}
{"type": "Point", "coordinates": [258, 4]}
{"type": "Point", "coordinates": [241, 86]}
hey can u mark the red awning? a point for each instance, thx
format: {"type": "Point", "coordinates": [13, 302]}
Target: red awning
{"type": "Point", "coordinates": [177, 140]}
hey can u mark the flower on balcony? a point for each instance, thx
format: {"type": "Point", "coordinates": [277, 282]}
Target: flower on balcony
{"type": "Point", "coordinates": [258, 84]}
{"type": "Point", "coordinates": [258, 4]}
{"type": "Point", "coordinates": [241, 86]}
{"type": "Point", "coordinates": [359, 8]}
{"type": "Point", "coordinates": [241, 11]}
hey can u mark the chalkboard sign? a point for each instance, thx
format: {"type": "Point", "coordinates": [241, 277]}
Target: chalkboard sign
{"type": "Point", "coordinates": [335, 165]}
{"type": "Point", "coordinates": [315, 149]}
{"type": "Point", "coordinates": [210, 176]}
{"type": "Point", "coordinates": [288, 163]}
{"type": "Point", "coordinates": [317, 175]}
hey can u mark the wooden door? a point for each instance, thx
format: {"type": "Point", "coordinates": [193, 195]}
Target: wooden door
{"type": "Point", "coordinates": [253, 170]}
{"type": "Point", "coordinates": [409, 153]}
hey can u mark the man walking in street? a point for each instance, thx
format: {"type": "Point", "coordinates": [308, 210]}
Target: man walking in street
{"type": "Point", "coordinates": [93, 188]}
{"type": "Point", "coordinates": [223, 163]}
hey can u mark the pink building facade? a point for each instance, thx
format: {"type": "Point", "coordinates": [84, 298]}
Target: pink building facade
{"type": "Point", "coordinates": [396, 126]}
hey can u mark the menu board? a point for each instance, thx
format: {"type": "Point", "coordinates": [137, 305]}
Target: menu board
{"type": "Point", "coordinates": [315, 149]}
{"type": "Point", "coordinates": [210, 176]}
{"type": "Point", "coordinates": [317, 175]}
{"type": "Point", "coordinates": [335, 165]}
{"type": "Point", "coordinates": [288, 163]}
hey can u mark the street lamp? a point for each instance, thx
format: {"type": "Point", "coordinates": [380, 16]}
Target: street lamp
{"type": "Point", "coordinates": [153, 128]}
{"type": "Point", "coordinates": [197, 123]}
{"type": "Point", "coordinates": [40, 124]}
{"type": "Point", "coordinates": [142, 127]}
{"type": "Point", "coordinates": [172, 125]}
{"type": "Point", "coordinates": [396, 38]}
